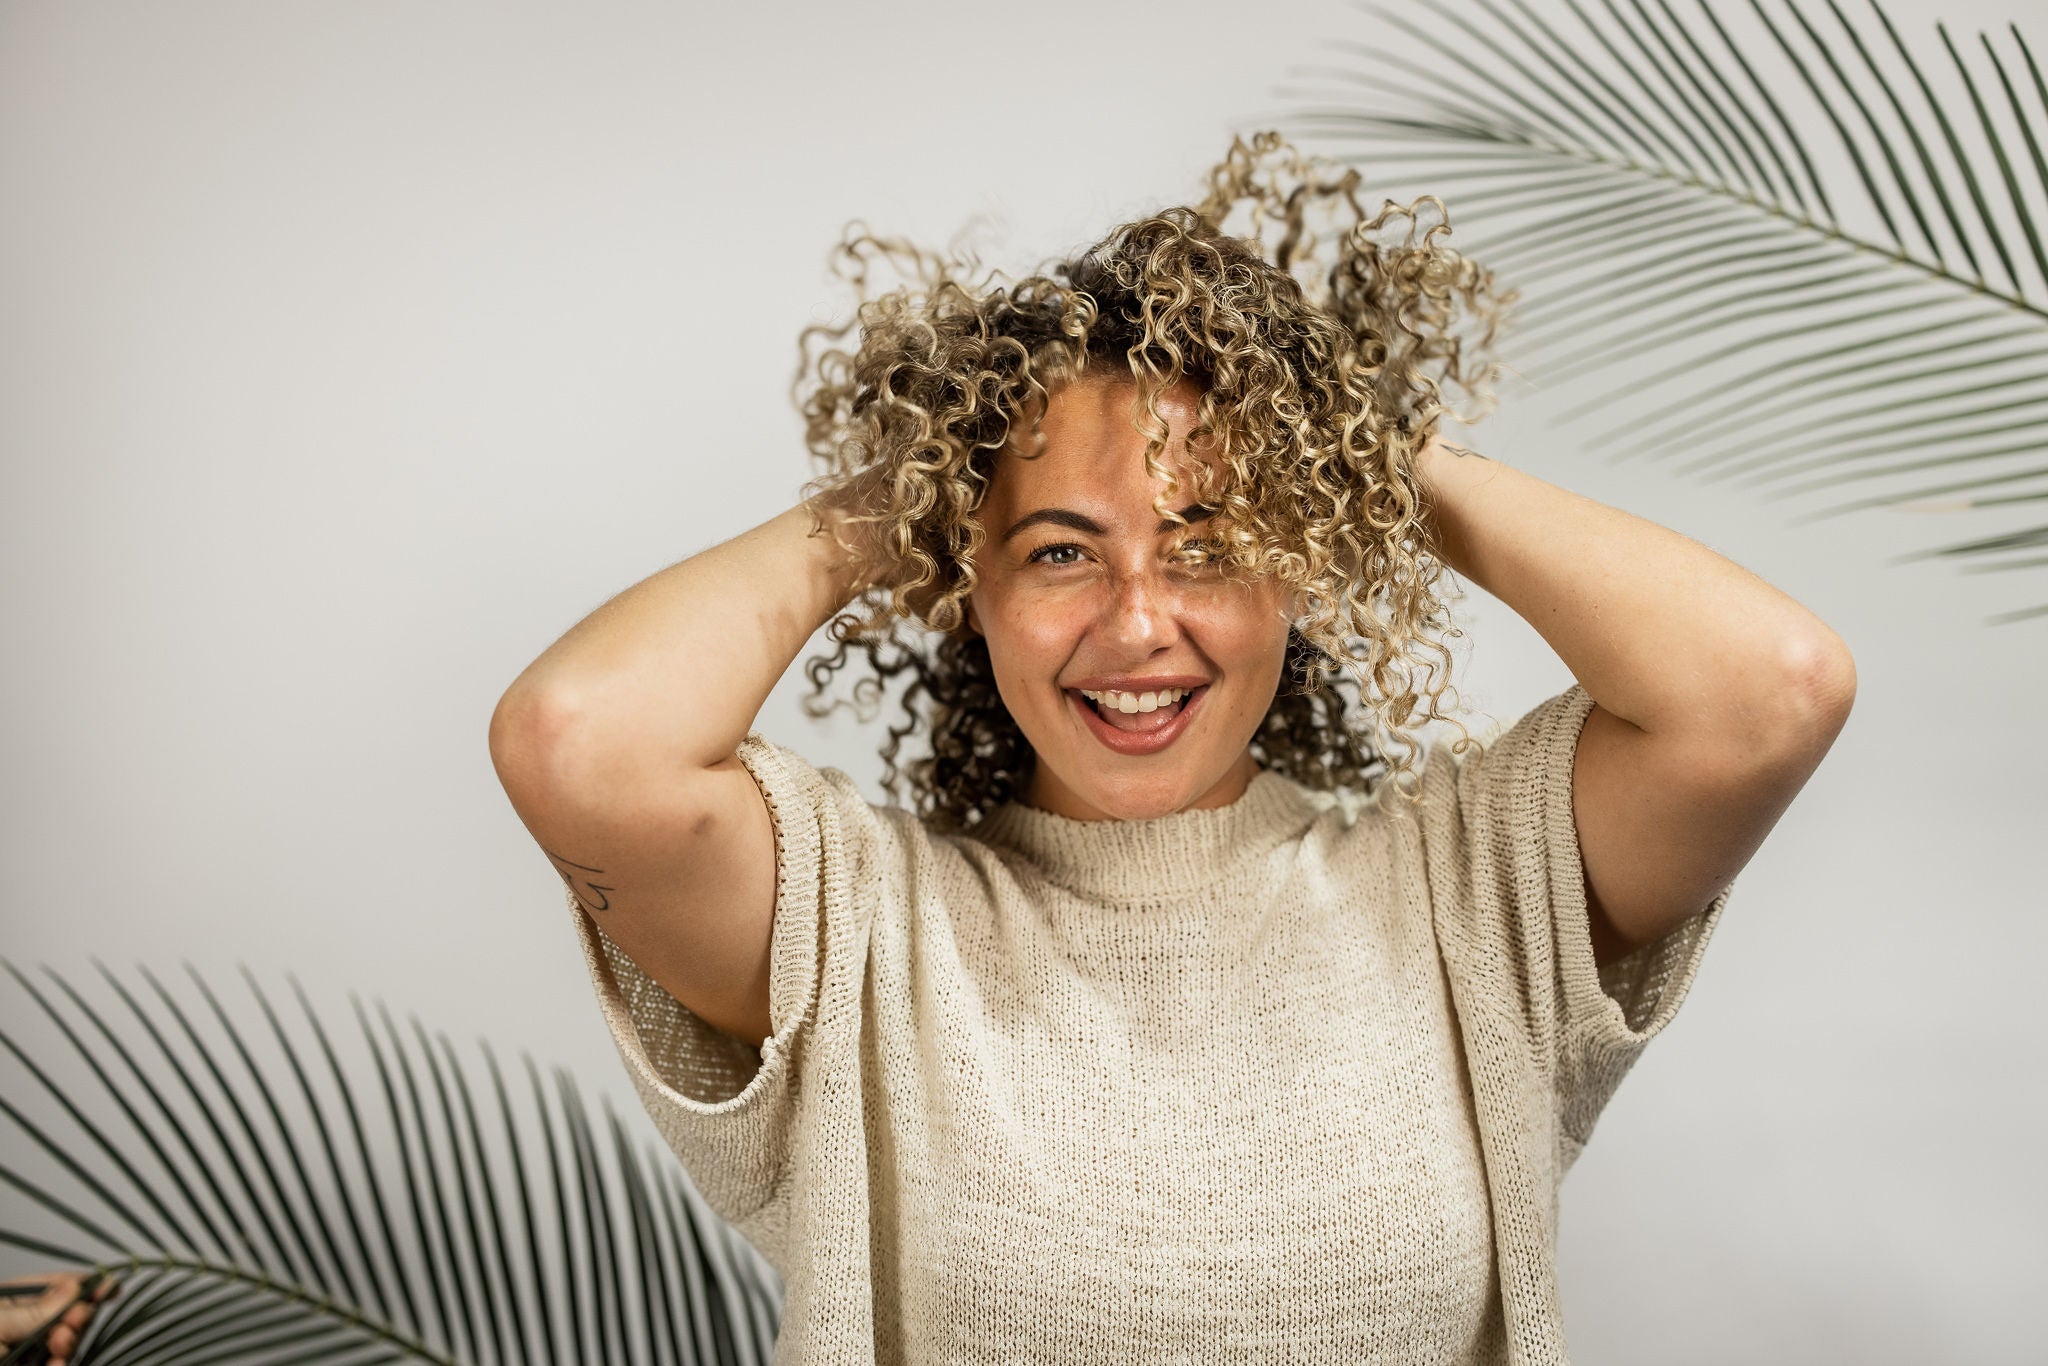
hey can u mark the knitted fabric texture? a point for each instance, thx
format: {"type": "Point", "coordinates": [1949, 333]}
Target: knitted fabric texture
{"type": "Point", "coordinates": [1288, 1079]}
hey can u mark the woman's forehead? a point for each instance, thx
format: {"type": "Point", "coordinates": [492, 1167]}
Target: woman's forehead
{"type": "Point", "coordinates": [1089, 440]}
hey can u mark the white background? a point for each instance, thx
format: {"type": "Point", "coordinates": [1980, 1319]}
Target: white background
{"type": "Point", "coordinates": [349, 353]}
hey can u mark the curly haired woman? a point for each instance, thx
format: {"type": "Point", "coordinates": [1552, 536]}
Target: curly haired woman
{"type": "Point", "coordinates": [1188, 1010]}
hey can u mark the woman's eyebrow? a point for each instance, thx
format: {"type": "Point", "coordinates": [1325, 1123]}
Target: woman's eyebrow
{"type": "Point", "coordinates": [1067, 517]}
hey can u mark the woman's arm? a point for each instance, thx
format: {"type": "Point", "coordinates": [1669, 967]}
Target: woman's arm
{"type": "Point", "coordinates": [617, 749]}
{"type": "Point", "coordinates": [1717, 695]}
{"type": "Point", "coordinates": [671, 673]}
{"type": "Point", "coordinates": [1662, 631]}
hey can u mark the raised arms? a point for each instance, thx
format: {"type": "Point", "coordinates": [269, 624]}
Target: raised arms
{"type": "Point", "coordinates": [616, 749]}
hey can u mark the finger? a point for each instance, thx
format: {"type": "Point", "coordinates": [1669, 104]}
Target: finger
{"type": "Point", "coordinates": [61, 1340]}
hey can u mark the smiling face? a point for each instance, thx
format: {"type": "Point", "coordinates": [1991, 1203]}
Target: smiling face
{"type": "Point", "coordinates": [1080, 592]}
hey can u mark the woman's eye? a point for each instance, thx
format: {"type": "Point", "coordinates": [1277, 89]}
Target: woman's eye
{"type": "Point", "coordinates": [1043, 554]}
{"type": "Point", "coordinates": [1200, 552]}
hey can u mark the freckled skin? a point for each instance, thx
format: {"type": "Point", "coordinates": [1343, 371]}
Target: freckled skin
{"type": "Point", "coordinates": [1119, 604]}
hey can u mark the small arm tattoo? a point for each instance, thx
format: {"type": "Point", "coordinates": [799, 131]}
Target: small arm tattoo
{"type": "Point", "coordinates": [589, 895]}
{"type": "Point", "coordinates": [1460, 450]}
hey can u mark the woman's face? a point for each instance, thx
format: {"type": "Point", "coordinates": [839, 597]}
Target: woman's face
{"type": "Point", "coordinates": [1080, 593]}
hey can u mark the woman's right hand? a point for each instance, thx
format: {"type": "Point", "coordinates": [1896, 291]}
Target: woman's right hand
{"type": "Point", "coordinates": [22, 1318]}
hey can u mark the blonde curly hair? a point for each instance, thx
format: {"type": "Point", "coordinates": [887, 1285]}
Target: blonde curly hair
{"type": "Point", "coordinates": [1318, 389]}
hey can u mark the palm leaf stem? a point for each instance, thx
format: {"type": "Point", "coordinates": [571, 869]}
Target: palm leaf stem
{"type": "Point", "coordinates": [306, 1300]}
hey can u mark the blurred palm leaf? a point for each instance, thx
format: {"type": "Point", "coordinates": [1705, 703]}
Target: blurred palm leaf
{"type": "Point", "coordinates": [1853, 261]}
{"type": "Point", "coordinates": [260, 1211]}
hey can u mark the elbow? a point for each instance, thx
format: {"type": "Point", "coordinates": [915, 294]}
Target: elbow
{"type": "Point", "coordinates": [1819, 688]}
{"type": "Point", "coordinates": [1823, 674]}
{"type": "Point", "coordinates": [529, 732]}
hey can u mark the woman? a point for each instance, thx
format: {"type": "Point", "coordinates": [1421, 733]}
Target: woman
{"type": "Point", "coordinates": [1154, 1031]}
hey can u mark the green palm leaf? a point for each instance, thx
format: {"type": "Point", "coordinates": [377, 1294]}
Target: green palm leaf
{"type": "Point", "coordinates": [1852, 260]}
{"type": "Point", "coordinates": [296, 1206]}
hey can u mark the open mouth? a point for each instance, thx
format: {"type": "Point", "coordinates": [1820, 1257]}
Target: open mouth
{"type": "Point", "coordinates": [1142, 729]}
{"type": "Point", "coordinates": [1139, 718]}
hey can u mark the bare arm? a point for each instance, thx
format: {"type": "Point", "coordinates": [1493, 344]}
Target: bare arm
{"type": "Point", "coordinates": [616, 748]}
{"type": "Point", "coordinates": [1716, 694]}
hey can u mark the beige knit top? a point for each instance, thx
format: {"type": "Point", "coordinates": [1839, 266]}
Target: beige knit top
{"type": "Point", "coordinates": [1290, 1079]}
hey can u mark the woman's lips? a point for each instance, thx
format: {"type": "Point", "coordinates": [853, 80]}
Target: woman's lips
{"type": "Point", "coordinates": [1138, 742]}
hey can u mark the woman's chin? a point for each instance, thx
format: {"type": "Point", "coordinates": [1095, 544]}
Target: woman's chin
{"type": "Point", "coordinates": [1132, 799]}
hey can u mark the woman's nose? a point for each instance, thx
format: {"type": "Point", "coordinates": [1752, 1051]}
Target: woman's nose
{"type": "Point", "coordinates": [1143, 610]}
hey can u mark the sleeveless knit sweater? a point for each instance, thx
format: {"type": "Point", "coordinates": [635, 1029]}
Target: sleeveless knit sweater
{"type": "Point", "coordinates": [1295, 1078]}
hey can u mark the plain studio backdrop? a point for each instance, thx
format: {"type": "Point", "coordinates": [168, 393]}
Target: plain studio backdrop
{"type": "Point", "coordinates": [350, 353]}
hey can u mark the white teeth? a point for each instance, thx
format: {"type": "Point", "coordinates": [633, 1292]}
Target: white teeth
{"type": "Point", "coordinates": [1134, 702]}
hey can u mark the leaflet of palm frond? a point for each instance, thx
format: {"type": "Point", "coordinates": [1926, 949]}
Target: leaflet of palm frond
{"type": "Point", "coordinates": [1731, 395]}
{"type": "Point", "coordinates": [98, 1137]}
{"type": "Point", "coordinates": [1765, 459]}
{"type": "Point", "coordinates": [209, 1116]}
{"type": "Point", "coordinates": [1813, 390]}
{"type": "Point", "coordinates": [2027, 538]}
{"type": "Point", "coordinates": [449, 1287]}
{"type": "Point", "coordinates": [1543, 318]}
{"type": "Point", "coordinates": [1799, 383]}
{"type": "Point", "coordinates": [653, 1276]}
{"type": "Point", "coordinates": [300, 1187]}
{"type": "Point", "coordinates": [528, 1231]}
{"type": "Point", "coordinates": [404, 1111]}
{"type": "Point", "coordinates": [1934, 490]}
{"type": "Point", "coordinates": [1657, 99]}
{"type": "Point", "coordinates": [606, 1285]}
{"type": "Point", "coordinates": [1760, 296]}
{"type": "Point", "coordinates": [377, 1243]}
{"type": "Point", "coordinates": [2034, 152]}
{"type": "Point", "coordinates": [2000, 567]}
{"type": "Point", "coordinates": [1592, 233]}
{"type": "Point", "coordinates": [1720, 165]}
{"type": "Point", "coordinates": [480, 1208]}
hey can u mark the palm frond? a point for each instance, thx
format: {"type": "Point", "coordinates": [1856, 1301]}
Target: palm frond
{"type": "Point", "coordinates": [290, 1203]}
{"type": "Point", "coordinates": [1784, 202]}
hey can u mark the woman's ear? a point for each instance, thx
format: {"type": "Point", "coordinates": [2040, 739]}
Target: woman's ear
{"type": "Point", "coordinates": [973, 621]}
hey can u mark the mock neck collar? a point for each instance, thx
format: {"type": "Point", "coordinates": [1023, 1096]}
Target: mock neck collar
{"type": "Point", "coordinates": [1165, 854]}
